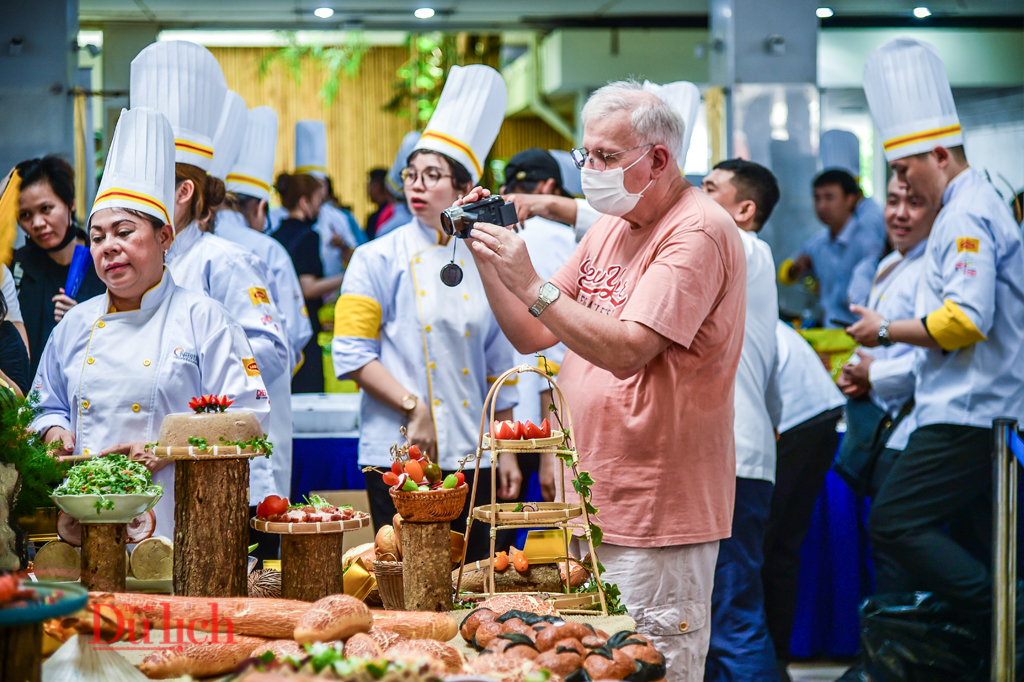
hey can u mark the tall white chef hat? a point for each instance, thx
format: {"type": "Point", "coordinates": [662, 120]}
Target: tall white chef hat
{"type": "Point", "coordinates": [840, 150]}
{"type": "Point", "coordinates": [468, 117]}
{"type": "Point", "coordinates": [311, 148]}
{"type": "Point", "coordinates": [253, 172]}
{"type": "Point", "coordinates": [571, 179]}
{"type": "Point", "coordinates": [684, 98]}
{"type": "Point", "coordinates": [394, 177]}
{"type": "Point", "coordinates": [227, 141]}
{"type": "Point", "coordinates": [184, 82]}
{"type": "Point", "coordinates": [910, 98]}
{"type": "Point", "coordinates": [139, 172]}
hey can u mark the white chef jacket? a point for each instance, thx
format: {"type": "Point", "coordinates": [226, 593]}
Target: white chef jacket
{"type": "Point", "coordinates": [441, 343]}
{"type": "Point", "coordinates": [235, 278]}
{"type": "Point", "coordinates": [10, 292]}
{"type": "Point", "coordinates": [871, 215]}
{"type": "Point", "coordinates": [111, 378]}
{"type": "Point", "coordinates": [806, 387]}
{"type": "Point", "coordinates": [974, 259]}
{"type": "Point", "coordinates": [331, 221]}
{"type": "Point", "coordinates": [285, 289]}
{"type": "Point", "coordinates": [753, 425]}
{"type": "Point", "coordinates": [549, 244]}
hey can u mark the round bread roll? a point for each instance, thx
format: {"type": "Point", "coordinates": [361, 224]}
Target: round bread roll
{"type": "Point", "coordinates": [600, 667]}
{"type": "Point", "coordinates": [153, 559]}
{"type": "Point", "coordinates": [396, 522]}
{"type": "Point", "coordinates": [58, 561]}
{"type": "Point", "coordinates": [362, 645]}
{"type": "Point", "coordinates": [520, 602]}
{"type": "Point", "coordinates": [365, 551]}
{"type": "Point", "coordinates": [336, 616]}
{"type": "Point", "coordinates": [414, 649]}
{"type": "Point", "coordinates": [280, 648]}
{"type": "Point", "coordinates": [503, 668]}
{"type": "Point", "coordinates": [385, 546]}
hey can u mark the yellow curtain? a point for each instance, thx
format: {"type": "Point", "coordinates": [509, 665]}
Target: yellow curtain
{"type": "Point", "coordinates": [81, 210]}
{"type": "Point", "coordinates": [714, 98]}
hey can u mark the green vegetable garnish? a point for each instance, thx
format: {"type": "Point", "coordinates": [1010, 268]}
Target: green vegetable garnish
{"type": "Point", "coordinates": [110, 475]}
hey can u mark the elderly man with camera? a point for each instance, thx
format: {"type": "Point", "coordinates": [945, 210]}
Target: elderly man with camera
{"type": "Point", "coordinates": [651, 307]}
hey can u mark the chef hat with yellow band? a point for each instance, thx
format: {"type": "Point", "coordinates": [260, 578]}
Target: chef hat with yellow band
{"type": "Point", "coordinates": [910, 99]}
{"type": "Point", "coordinates": [840, 150]}
{"type": "Point", "coordinates": [184, 82]}
{"type": "Point", "coordinates": [139, 173]}
{"type": "Point", "coordinates": [311, 148]}
{"type": "Point", "coordinates": [227, 141]}
{"type": "Point", "coordinates": [684, 98]}
{"type": "Point", "coordinates": [254, 169]}
{"type": "Point", "coordinates": [468, 117]}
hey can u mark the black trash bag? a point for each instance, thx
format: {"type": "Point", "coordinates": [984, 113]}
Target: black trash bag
{"type": "Point", "coordinates": [916, 637]}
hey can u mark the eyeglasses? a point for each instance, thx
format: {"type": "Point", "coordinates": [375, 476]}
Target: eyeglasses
{"type": "Point", "coordinates": [431, 176]}
{"type": "Point", "coordinates": [598, 159]}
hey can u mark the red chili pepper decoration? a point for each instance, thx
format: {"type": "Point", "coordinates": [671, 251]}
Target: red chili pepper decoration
{"type": "Point", "coordinates": [210, 403]}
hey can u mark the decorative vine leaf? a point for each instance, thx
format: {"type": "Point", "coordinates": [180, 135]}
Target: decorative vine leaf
{"type": "Point", "coordinates": [335, 61]}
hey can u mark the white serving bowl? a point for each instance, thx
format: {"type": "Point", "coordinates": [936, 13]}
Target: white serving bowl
{"type": "Point", "coordinates": [126, 507]}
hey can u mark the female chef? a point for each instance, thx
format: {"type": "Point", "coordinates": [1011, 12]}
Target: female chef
{"type": "Point", "coordinates": [426, 354]}
{"type": "Point", "coordinates": [118, 363]}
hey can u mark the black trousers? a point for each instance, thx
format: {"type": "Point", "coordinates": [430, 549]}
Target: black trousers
{"type": "Point", "coordinates": [805, 454]}
{"type": "Point", "coordinates": [383, 511]}
{"type": "Point", "coordinates": [269, 544]}
{"type": "Point", "coordinates": [889, 574]}
{"type": "Point", "coordinates": [943, 477]}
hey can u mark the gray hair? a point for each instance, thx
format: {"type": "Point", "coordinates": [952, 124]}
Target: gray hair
{"type": "Point", "coordinates": [652, 120]}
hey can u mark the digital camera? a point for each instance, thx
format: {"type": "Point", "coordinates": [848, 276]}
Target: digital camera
{"type": "Point", "coordinates": [457, 221]}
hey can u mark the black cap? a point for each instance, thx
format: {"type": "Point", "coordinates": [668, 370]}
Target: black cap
{"type": "Point", "coordinates": [533, 165]}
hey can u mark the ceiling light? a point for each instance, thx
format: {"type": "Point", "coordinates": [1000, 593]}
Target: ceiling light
{"type": "Point", "coordinates": [824, 12]}
{"type": "Point", "coordinates": [324, 12]}
{"type": "Point", "coordinates": [424, 13]}
{"type": "Point", "coordinates": [922, 12]}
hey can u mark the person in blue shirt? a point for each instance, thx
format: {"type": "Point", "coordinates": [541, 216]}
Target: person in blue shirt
{"type": "Point", "coordinates": [831, 256]}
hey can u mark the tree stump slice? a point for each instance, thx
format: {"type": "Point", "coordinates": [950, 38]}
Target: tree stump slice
{"type": "Point", "coordinates": [540, 578]}
{"type": "Point", "coordinates": [211, 528]}
{"type": "Point", "coordinates": [21, 653]}
{"type": "Point", "coordinates": [104, 561]}
{"type": "Point", "coordinates": [427, 566]}
{"type": "Point", "coordinates": [311, 566]}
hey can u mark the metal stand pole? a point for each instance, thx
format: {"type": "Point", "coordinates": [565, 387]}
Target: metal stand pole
{"type": "Point", "coordinates": [1004, 553]}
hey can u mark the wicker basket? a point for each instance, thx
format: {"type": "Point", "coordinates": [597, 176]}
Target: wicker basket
{"type": "Point", "coordinates": [389, 584]}
{"type": "Point", "coordinates": [430, 506]}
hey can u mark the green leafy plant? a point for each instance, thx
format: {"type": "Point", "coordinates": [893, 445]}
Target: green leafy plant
{"type": "Point", "coordinates": [336, 61]}
{"type": "Point", "coordinates": [33, 459]}
{"type": "Point", "coordinates": [421, 78]}
{"type": "Point", "coordinates": [259, 444]}
{"type": "Point", "coordinates": [199, 443]}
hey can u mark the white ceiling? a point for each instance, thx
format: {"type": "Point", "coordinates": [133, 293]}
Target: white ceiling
{"type": "Point", "coordinates": [484, 14]}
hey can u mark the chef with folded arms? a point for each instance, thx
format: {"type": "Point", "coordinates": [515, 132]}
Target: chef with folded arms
{"type": "Point", "coordinates": [969, 319]}
{"type": "Point", "coordinates": [184, 82]}
{"type": "Point", "coordinates": [118, 363]}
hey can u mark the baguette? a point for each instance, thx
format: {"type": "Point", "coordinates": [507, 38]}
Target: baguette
{"type": "Point", "coordinates": [336, 616]}
{"type": "Point", "coordinates": [202, 659]}
{"type": "Point", "coordinates": [270, 618]}
{"type": "Point", "coordinates": [417, 624]}
{"type": "Point", "coordinates": [414, 649]}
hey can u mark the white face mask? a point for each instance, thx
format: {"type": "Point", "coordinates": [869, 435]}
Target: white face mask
{"type": "Point", "coordinates": [606, 190]}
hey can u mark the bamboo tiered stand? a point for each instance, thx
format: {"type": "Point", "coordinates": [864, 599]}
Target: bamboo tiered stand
{"type": "Point", "coordinates": [560, 515]}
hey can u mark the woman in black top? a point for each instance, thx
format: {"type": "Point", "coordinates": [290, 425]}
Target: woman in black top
{"type": "Point", "coordinates": [303, 195]}
{"type": "Point", "coordinates": [46, 208]}
{"type": "Point", "coordinates": [13, 356]}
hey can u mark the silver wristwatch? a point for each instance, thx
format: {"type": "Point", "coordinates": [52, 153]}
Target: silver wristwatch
{"type": "Point", "coordinates": [883, 334]}
{"type": "Point", "coordinates": [548, 293]}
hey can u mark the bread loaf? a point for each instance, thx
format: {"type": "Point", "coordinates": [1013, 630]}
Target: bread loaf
{"type": "Point", "coordinates": [502, 668]}
{"type": "Point", "coordinates": [414, 649]}
{"type": "Point", "coordinates": [361, 645]}
{"type": "Point", "coordinates": [57, 560]}
{"type": "Point", "coordinates": [202, 659]}
{"type": "Point", "coordinates": [520, 602]}
{"type": "Point", "coordinates": [365, 551]}
{"type": "Point", "coordinates": [386, 547]}
{"type": "Point", "coordinates": [280, 648]}
{"type": "Point", "coordinates": [336, 616]}
{"type": "Point", "coordinates": [153, 559]}
{"type": "Point", "coordinates": [417, 624]}
{"type": "Point", "coordinates": [385, 639]}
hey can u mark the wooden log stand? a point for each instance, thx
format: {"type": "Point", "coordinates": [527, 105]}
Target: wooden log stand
{"type": "Point", "coordinates": [104, 558]}
{"type": "Point", "coordinates": [426, 566]}
{"type": "Point", "coordinates": [21, 653]}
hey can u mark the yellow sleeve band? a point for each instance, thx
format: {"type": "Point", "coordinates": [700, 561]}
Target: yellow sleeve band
{"type": "Point", "coordinates": [511, 381]}
{"type": "Point", "coordinates": [784, 277]}
{"type": "Point", "coordinates": [357, 316]}
{"type": "Point", "coordinates": [547, 366]}
{"type": "Point", "coordinates": [951, 328]}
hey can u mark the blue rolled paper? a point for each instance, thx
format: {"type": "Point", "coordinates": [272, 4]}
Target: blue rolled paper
{"type": "Point", "coordinates": [80, 263]}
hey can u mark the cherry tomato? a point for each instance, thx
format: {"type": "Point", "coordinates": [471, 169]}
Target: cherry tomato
{"type": "Point", "coordinates": [397, 468]}
{"type": "Point", "coordinates": [503, 431]}
{"type": "Point", "coordinates": [520, 562]}
{"type": "Point", "coordinates": [414, 469]}
{"type": "Point", "coordinates": [500, 561]}
{"type": "Point", "coordinates": [390, 478]}
{"type": "Point", "coordinates": [261, 510]}
{"type": "Point", "coordinates": [518, 431]}
{"type": "Point", "coordinates": [461, 477]}
{"type": "Point", "coordinates": [545, 429]}
{"type": "Point", "coordinates": [532, 430]}
{"type": "Point", "coordinates": [414, 452]}
{"type": "Point", "coordinates": [275, 505]}
{"type": "Point", "coordinates": [432, 472]}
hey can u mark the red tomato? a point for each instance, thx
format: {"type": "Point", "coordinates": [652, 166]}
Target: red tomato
{"type": "Point", "coordinates": [390, 478]}
{"type": "Point", "coordinates": [532, 430]}
{"type": "Point", "coordinates": [461, 476]}
{"type": "Point", "coordinates": [504, 431]}
{"type": "Point", "coordinates": [275, 505]}
{"type": "Point", "coordinates": [414, 452]}
{"type": "Point", "coordinates": [415, 470]}
{"type": "Point", "coordinates": [397, 468]}
{"type": "Point", "coordinates": [545, 429]}
{"type": "Point", "coordinates": [518, 430]}
{"type": "Point", "coordinates": [261, 510]}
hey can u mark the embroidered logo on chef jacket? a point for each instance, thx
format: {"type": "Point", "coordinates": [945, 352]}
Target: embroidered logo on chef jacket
{"type": "Point", "coordinates": [267, 319]}
{"type": "Point", "coordinates": [967, 244]}
{"type": "Point", "coordinates": [258, 295]}
{"type": "Point", "coordinates": [965, 265]}
{"type": "Point", "coordinates": [186, 355]}
{"type": "Point", "coordinates": [261, 394]}
{"type": "Point", "coordinates": [250, 367]}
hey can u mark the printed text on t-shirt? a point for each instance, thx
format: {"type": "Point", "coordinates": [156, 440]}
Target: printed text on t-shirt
{"type": "Point", "coordinates": [602, 287]}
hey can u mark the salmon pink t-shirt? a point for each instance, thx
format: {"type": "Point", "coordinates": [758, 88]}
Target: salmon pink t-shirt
{"type": "Point", "coordinates": [659, 444]}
